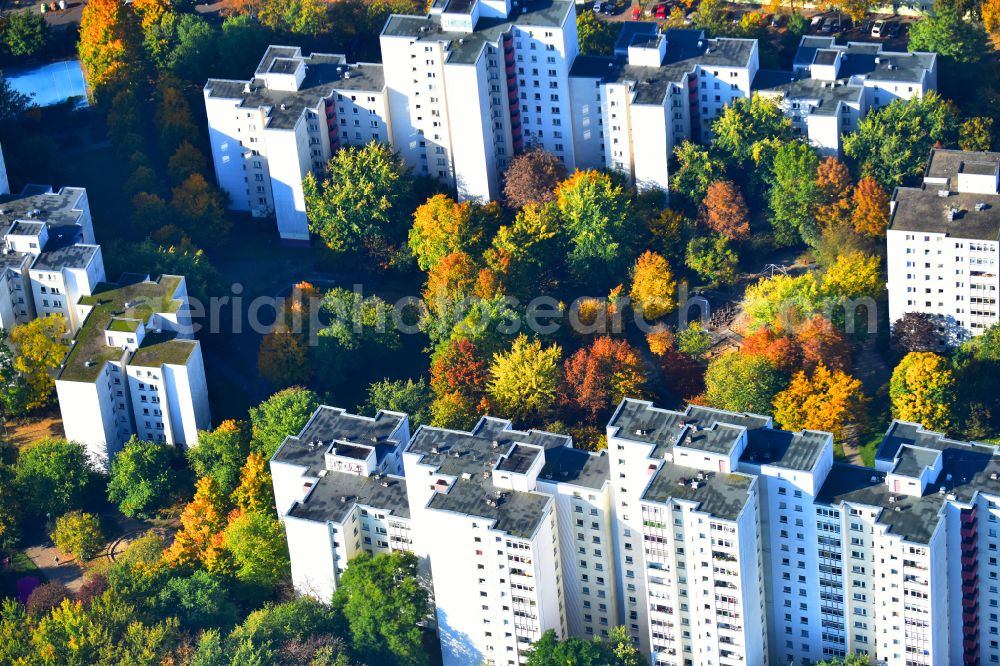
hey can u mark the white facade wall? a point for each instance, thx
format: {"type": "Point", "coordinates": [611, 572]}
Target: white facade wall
{"type": "Point", "coordinates": [90, 416]}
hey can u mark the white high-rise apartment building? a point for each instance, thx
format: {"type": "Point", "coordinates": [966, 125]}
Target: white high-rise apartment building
{"type": "Point", "coordinates": [711, 536]}
{"type": "Point", "coordinates": [49, 257]}
{"type": "Point", "coordinates": [285, 122]}
{"type": "Point", "coordinates": [832, 87]}
{"type": "Point", "coordinates": [942, 242]}
{"type": "Point", "coordinates": [133, 369]}
{"type": "Point", "coordinates": [474, 82]}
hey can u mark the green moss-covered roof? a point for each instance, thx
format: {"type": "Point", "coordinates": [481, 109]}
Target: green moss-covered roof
{"type": "Point", "coordinates": [123, 325]}
{"type": "Point", "coordinates": [131, 298]}
{"type": "Point", "coordinates": [162, 349]}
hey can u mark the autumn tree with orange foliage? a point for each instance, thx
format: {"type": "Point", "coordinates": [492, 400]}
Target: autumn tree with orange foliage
{"type": "Point", "coordinates": [442, 226]}
{"type": "Point", "coordinates": [653, 286]}
{"type": "Point", "coordinates": [834, 182]}
{"type": "Point", "coordinates": [202, 521]}
{"type": "Point", "coordinates": [813, 342]}
{"type": "Point", "coordinates": [724, 211]}
{"type": "Point", "coordinates": [827, 400]}
{"type": "Point", "coordinates": [459, 374]}
{"type": "Point", "coordinates": [598, 376]}
{"type": "Point", "coordinates": [283, 358]}
{"type": "Point", "coordinates": [684, 374]}
{"type": "Point", "coordinates": [109, 43]}
{"type": "Point", "coordinates": [871, 208]}
{"type": "Point", "coordinates": [455, 278]}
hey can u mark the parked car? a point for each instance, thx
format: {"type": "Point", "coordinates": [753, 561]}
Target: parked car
{"type": "Point", "coordinates": [892, 29]}
{"type": "Point", "coordinates": [829, 23]}
{"type": "Point", "coordinates": [661, 11]}
{"type": "Point", "coordinates": [816, 20]}
{"type": "Point", "coordinates": [878, 28]}
{"type": "Point", "coordinates": [636, 13]}
{"type": "Point", "coordinates": [597, 7]}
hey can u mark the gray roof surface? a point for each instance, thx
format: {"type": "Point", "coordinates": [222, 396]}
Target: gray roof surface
{"type": "Point", "coordinates": [325, 73]}
{"type": "Point", "coordinates": [335, 494]}
{"type": "Point", "coordinates": [721, 495]}
{"type": "Point", "coordinates": [860, 60]}
{"type": "Point", "coordinates": [332, 424]}
{"type": "Point", "coordinates": [717, 432]}
{"type": "Point", "coordinates": [629, 31]}
{"type": "Point", "coordinates": [72, 256]}
{"type": "Point", "coordinates": [15, 260]}
{"type": "Point", "coordinates": [564, 464]}
{"type": "Point", "coordinates": [967, 468]}
{"type": "Point", "coordinates": [474, 455]}
{"type": "Point", "coordinates": [54, 208]}
{"type": "Point", "coordinates": [465, 47]}
{"type": "Point", "coordinates": [824, 97]}
{"type": "Point", "coordinates": [921, 209]}
{"type": "Point", "coordinates": [605, 68]}
{"type": "Point", "coordinates": [944, 163]}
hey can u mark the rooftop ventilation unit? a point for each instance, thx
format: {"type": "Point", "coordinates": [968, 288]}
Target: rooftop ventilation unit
{"type": "Point", "coordinates": [944, 193]}
{"type": "Point", "coordinates": [952, 214]}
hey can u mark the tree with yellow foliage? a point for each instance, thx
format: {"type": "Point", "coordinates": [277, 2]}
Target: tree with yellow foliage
{"type": "Point", "coordinates": [255, 492]}
{"type": "Point", "coordinates": [108, 46]}
{"type": "Point", "coordinates": [442, 226]}
{"type": "Point", "coordinates": [870, 204]}
{"type": "Point", "coordinates": [827, 400]}
{"type": "Point", "coordinates": [991, 20]}
{"type": "Point", "coordinates": [40, 348]}
{"type": "Point", "coordinates": [202, 520]}
{"type": "Point", "coordinates": [922, 390]}
{"type": "Point", "coordinates": [524, 381]}
{"type": "Point", "coordinates": [855, 275]}
{"type": "Point", "coordinates": [834, 182]}
{"type": "Point", "coordinates": [653, 286]}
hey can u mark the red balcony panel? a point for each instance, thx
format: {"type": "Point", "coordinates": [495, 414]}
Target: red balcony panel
{"type": "Point", "coordinates": [971, 646]}
{"type": "Point", "coordinates": [970, 560]}
{"type": "Point", "coordinates": [969, 577]}
{"type": "Point", "coordinates": [968, 516]}
{"type": "Point", "coordinates": [968, 531]}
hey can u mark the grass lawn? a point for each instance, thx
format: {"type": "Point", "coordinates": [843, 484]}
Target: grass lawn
{"type": "Point", "coordinates": [20, 565]}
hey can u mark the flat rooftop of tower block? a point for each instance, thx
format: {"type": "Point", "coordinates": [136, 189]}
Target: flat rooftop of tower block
{"type": "Point", "coordinates": [564, 464]}
{"type": "Point", "coordinates": [465, 47]}
{"type": "Point", "coordinates": [824, 96]}
{"type": "Point", "coordinates": [39, 204]}
{"type": "Point", "coordinates": [967, 468]}
{"type": "Point", "coordinates": [945, 163]}
{"type": "Point", "coordinates": [159, 349]}
{"type": "Point", "coordinates": [781, 448]}
{"type": "Point", "coordinates": [470, 457]}
{"type": "Point", "coordinates": [864, 59]}
{"type": "Point", "coordinates": [324, 73]}
{"type": "Point", "coordinates": [133, 297]}
{"type": "Point", "coordinates": [923, 209]}
{"type": "Point", "coordinates": [72, 256]}
{"type": "Point", "coordinates": [720, 495]}
{"type": "Point", "coordinates": [334, 427]}
{"type": "Point", "coordinates": [335, 494]}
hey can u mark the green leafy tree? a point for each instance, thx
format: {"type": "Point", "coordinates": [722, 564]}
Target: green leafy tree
{"type": "Point", "coordinates": [240, 43]}
{"type": "Point", "coordinates": [745, 123]}
{"type": "Point", "coordinates": [781, 301]}
{"type": "Point", "coordinates": [383, 603]}
{"type": "Point", "coordinates": [51, 477]}
{"type": "Point", "coordinates": [594, 35]}
{"type": "Point", "coordinates": [283, 414]}
{"type": "Point", "coordinates": [891, 144]}
{"type": "Point", "coordinates": [946, 33]}
{"type": "Point", "coordinates": [25, 33]}
{"type": "Point", "coordinates": [410, 397]}
{"type": "Point", "coordinates": [360, 330]}
{"type": "Point", "coordinates": [359, 203]}
{"type": "Point", "coordinates": [201, 276]}
{"type": "Point", "coordinates": [794, 194]}
{"type": "Point", "coordinates": [442, 226]}
{"type": "Point", "coordinates": [742, 383]}
{"type": "Point", "coordinates": [195, 55]}
{"type": "Point", "coordinates": [524, 380]}
{"type": "Point", "coordinates": [527, 254]}
{"type": "Point", "coordinates": [549, 650]}
{"type": "Point", "coordinates": [256, 542]}
{"type": "Point", "coordinates": [713, 259]}
{"type": "Point", "coordinates": [696, 169]}
{"type": "Point", "coordinates": [596, 214]}
{"type": "Point", "coordinates": [976, 134]}
{"type": "Point", "coordinates": [199, 601]}
{"type": "Point", "coordinates": [142, 478]}
{"type": "Point", "coordinates": [220, 454]}
{"type": "Point", "coordinates": [694, 341]}
{"type": "Point", "coordinates": [10, 511]}
{"type": "Point", "coordinates": [12, 102]}
{"type": "Point", "coordinates": [78, 534]}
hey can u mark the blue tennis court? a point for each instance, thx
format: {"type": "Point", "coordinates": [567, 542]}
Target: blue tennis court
{"type": "Point", "coordinates": [49, 84]}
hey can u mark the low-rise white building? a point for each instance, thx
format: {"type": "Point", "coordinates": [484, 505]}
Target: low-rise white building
{"type": "Point", "coordinates": [133, 368]}
{"type": "Point", "coordinates": [832, 87]}
{"type": "Point", "coordinates": [942, 244]}
{"type": "Point", "coordinates": [50, 258]}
